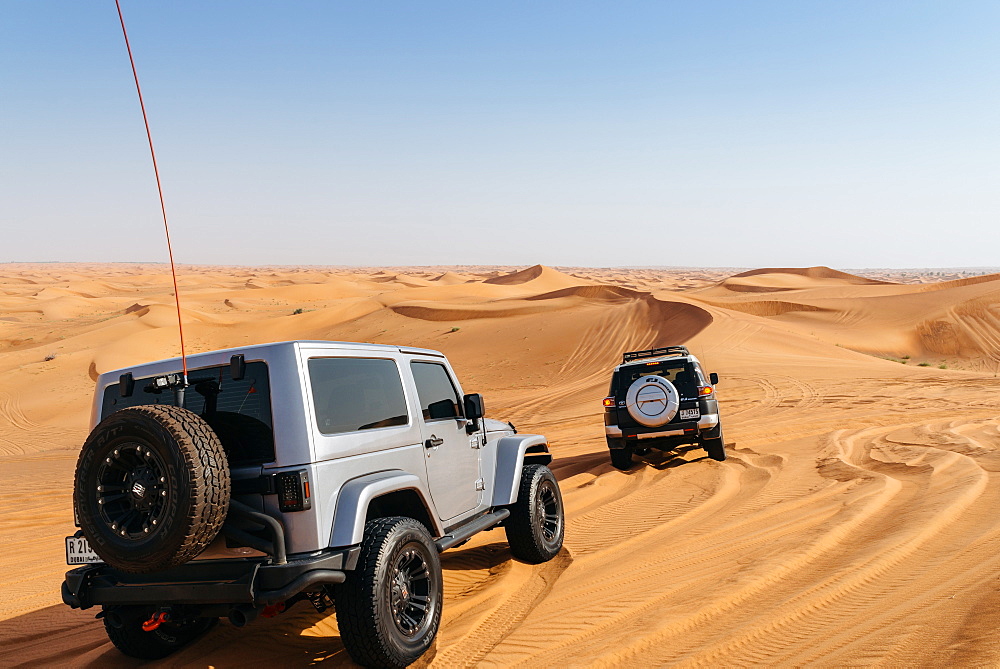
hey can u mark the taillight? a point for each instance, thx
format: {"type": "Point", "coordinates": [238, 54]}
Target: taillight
{"type": "Point", "coordinates": [609, 402]}
{"type": "Point", "coordinates": [705, 391]}
{"type": "Point", "coordinates": [293, 491]}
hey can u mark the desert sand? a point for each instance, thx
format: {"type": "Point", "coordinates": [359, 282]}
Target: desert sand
{"type": "Point", "coordinates": [854, 523]}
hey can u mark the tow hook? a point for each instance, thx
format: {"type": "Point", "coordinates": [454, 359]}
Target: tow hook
{"type": "Point", "coordinates": [272, 610]}
{"type": "Point", "coordinates": [158, 619]}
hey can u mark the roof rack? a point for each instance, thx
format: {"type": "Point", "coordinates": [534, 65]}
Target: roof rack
{"type": "Point", "coordinates": [655, 353]}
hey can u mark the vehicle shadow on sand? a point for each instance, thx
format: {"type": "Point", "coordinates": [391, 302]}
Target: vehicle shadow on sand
{"type": "Point", "coordinates": [300, 637]}
{"type": "Point", "coordinates": [60, 636]}
{"type": "Point", "coordinates": [682, 455]}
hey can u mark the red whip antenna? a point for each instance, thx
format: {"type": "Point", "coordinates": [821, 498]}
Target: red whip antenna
{"type": "Point", "coordinates": [159, 188]}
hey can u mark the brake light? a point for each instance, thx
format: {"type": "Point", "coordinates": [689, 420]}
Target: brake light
{"type": "Point", "coordinates": [705, 391]}
{"type": "Point", "coordinates": [293, 491]}
{"type": "Point", "coordinates": [609, 402]}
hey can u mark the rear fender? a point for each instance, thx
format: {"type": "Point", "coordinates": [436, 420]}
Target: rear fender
{"type": "Point", "coordinates": [512, 454]}
{"type": "Point", "coordinates": [357, 494]}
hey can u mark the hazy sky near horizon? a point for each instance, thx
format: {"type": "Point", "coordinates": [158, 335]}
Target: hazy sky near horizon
{"type": "Point", "coordinates": [748, 134]}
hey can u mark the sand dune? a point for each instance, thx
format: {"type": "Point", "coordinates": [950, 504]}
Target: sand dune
{"type": "Point", "coordinates": [772, 280]}
{"type": "Point", "coordinates": [951, 323]}
{"type": "Point", "coordinates": [853, 524]}
{"type": "Point", "coordinates": [820, 272]}
{"type": "Point", "coordinates": [451, 278]}
{"type": "Point", "coordinates": [539, 275]}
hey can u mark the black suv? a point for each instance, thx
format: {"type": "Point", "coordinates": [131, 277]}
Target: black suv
{"type": "Point", "coordinates": [661, 398]}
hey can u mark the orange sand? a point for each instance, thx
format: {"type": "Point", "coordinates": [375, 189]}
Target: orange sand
{"type": "Point", "coordinates": [855, 522]}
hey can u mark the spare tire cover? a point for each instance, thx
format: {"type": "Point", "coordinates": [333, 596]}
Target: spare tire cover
{"type": "Point", "coordinates": [652, 401]}
{"type": "Point", "coordinates": [152, 488]}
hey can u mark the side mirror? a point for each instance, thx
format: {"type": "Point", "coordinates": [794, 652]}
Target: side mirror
{"type": "Point", "coordinates": [714, 378]}
{"type": "Point", "coordinates": [237, 367]}
{"type": "Point", "coordinates": [474, 406]}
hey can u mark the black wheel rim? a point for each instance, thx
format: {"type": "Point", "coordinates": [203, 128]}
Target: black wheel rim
{"type": "Point", "coordinates": [410, 592]}
{"type": "Point", "coordinates": [132, 493]}
{"type": "Point", "coordinates": [550, 513]}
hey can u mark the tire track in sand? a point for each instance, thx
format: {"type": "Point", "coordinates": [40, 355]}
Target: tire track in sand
{"type": "Point", "coordinates": [805, 619]}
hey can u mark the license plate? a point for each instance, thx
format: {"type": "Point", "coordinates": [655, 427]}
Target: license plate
{"type": "Point", "coordinates": [78, 551]}
{"type": "Point", "coordinates": [688, 414]}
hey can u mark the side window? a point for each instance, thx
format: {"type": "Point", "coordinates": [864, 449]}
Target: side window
{"type": "Point", "coordinates": [352, 394]}
{"type": "Point", "coordinates": [438, 398]}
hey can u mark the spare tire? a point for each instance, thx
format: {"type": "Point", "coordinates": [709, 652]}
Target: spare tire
{"type": "Point", "coordinates": [652, 401]}
{"type": "Point", "coordinates": [152, 488]}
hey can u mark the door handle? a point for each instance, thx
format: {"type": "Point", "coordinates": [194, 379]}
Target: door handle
{"type": "Point", "coordinates": [433, 442]}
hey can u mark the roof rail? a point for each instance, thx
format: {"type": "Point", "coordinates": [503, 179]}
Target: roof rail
{"type": "Point", "coordinates": [655, 352]}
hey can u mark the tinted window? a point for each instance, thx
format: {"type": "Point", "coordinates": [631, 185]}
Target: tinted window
{"type": "Point", "coordinates": [437, 395]}
{"type": "Point", "coordinates": [241, 414]}
{"type": "Point", "coordinates": [683, 376]}
{"type": "Point", "coordinates": [353, 394]}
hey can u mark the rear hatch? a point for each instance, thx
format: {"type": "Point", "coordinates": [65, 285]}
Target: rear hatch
{"type": "Point", "coordinates": [680, 372]}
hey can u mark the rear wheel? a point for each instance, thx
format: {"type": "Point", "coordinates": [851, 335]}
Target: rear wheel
{"type": "Point", "coordinates": [389, 608]}
{"type": "Point", "coordinates": [716, 448]}
{"type": "Point", "coordinates": [536, 524]}
{"type": "Point", "coordinates": [621, 454]}
{"type": "Point", "coordinates": [124, 627]}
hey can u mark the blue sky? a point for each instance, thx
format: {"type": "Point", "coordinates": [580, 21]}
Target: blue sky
{"type": "Point", "coordinates": [850, 134]}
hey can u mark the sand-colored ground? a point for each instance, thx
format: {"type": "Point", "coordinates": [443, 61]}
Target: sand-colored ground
{"type": "Point", "coordinates": [854, 523]}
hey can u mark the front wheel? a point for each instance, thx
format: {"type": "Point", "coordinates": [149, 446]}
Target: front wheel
{"type": "Point", "coordinates": [389, 608]}
{"type": "Point", "coordinates": [124, 627]}
{"type": "Point", "coordinates": [536, 524]}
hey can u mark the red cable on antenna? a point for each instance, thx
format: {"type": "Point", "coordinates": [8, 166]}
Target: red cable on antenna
{"type": "Point", "coordinates": [159, 188]}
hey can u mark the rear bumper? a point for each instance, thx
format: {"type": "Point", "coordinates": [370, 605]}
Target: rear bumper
{"type": "Point", "coordinates": [706, 422]}
{"type": "Point", "coordinates": [250, 581]}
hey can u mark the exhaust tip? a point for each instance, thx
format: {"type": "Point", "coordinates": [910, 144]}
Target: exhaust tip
{"type": "Point", "coordinates": [240, 616]}
{"type": "Point", "coordinates": [114, 619]}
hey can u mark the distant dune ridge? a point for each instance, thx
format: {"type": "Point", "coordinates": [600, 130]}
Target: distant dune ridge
{"type": "Point", "coordinates": [820, 272]}
{"type": "Point", "coordinates": [853, 524]}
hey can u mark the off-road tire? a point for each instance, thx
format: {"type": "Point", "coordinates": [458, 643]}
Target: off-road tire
{"type": "Point", "coordinates": [369, 625]}
{"type": "Point", "coordinates": [715, 447]}
{"type": "Point", "coordinates": [536, 525]}
{"type": "Point", "coordinates": [132, 640]}
{"type": "Point", "coordinates": [184, 482]}
{"type": "Point", "coordinates": [621, 458]}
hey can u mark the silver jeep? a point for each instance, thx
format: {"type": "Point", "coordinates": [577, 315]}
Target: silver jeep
{"type": "Point", "coordinates": [326, 472]}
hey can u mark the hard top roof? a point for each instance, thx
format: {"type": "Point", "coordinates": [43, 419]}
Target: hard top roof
{"type": "Point", "coordinates": [261, 350]}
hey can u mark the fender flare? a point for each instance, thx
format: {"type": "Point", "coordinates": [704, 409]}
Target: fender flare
{"type": "Point", "coordinates": [510, 459]}
{"type": "Point", "coordinates": [355, 496]}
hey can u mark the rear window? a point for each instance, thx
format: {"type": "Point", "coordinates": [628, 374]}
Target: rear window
{"type": "Point", "coordinates": [240, 413]}
{"type": "Point", "coordinates": [352, 394]}
{"type": "Point", "coordinates": [683, 375]}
